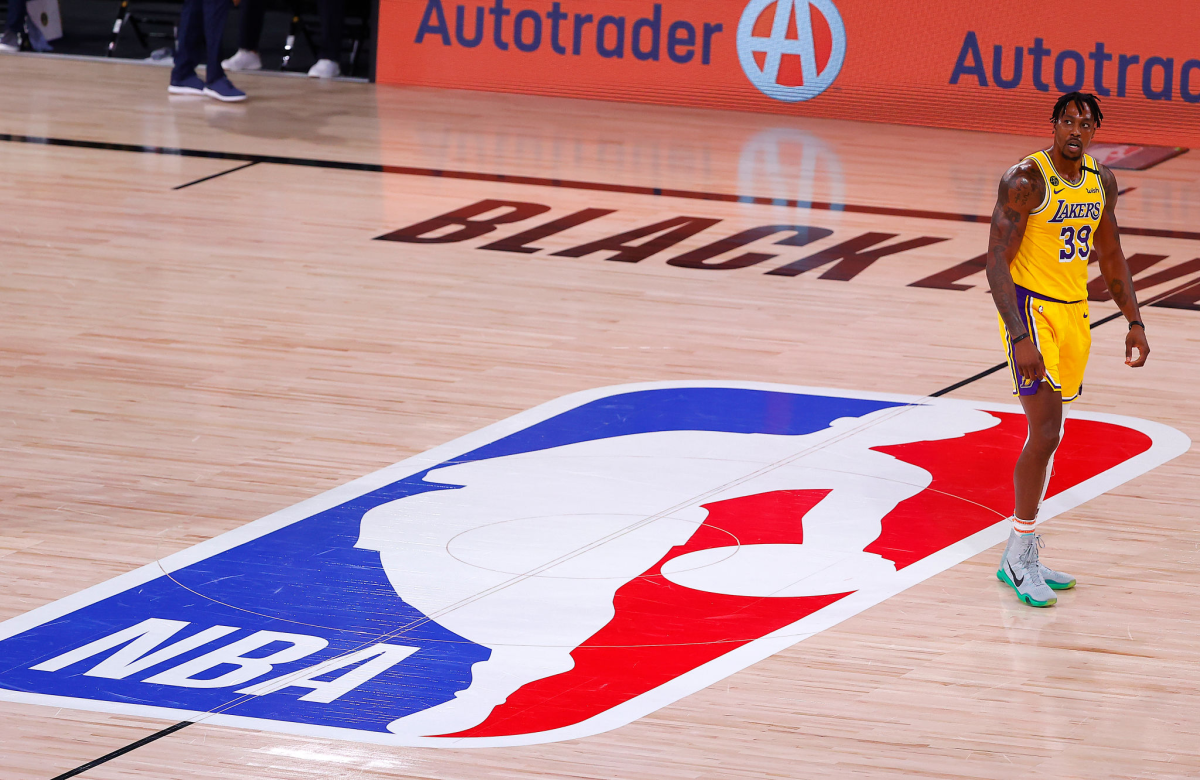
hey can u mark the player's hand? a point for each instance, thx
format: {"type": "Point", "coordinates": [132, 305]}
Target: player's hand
{"type": "Point", "coordinates": [1029, 361]}
{"type": "Point", "coordinates": [1136, 339]}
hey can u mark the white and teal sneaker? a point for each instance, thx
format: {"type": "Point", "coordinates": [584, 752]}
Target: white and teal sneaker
{"type": "Point", "coordinates": [1057, 580]}
{"type": "Point", "coordinates": [1021, 571]}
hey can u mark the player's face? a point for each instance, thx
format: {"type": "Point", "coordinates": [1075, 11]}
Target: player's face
{"type": "Point", "coordinates": [1073, 131]}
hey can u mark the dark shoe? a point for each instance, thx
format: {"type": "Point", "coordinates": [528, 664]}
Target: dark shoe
{"type": "Point", "coordinates": [192, 85]}
{"type": "Point", "coordinates": [10, 42]}
{"type": "Point", "coordinates": [222, 89]}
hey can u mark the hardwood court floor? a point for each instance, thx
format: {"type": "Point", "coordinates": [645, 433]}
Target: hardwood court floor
{"type": "Point", "coordinates": [180, 362]}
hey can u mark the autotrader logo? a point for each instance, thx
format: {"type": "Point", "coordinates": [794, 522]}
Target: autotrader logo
{"type": "Point", "coordinates": [791, 50]}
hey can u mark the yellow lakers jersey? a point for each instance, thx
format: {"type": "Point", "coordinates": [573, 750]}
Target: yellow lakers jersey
{"type": "Point", "coordinates": [1053, 257]}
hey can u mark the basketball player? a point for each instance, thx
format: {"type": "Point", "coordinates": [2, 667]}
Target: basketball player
{"type": "Point", "coordinates": [1055, 213]}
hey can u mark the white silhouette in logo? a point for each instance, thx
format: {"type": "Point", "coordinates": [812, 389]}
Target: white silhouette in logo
{"type": "Point", "coordinates": [527, 556]}
{"type": "Point", "coordinates": [766, 78]}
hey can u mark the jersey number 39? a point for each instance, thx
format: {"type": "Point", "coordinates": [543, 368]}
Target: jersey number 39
{"type": "Point", "coordinates": [1073, 240]}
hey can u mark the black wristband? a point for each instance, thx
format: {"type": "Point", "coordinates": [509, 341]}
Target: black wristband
{"type": "Point", "coordinates": [1136, 322]}
{"type": "Point", "coordinates": [1019, 339]}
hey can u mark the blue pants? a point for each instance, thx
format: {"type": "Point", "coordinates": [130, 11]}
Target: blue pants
{"type": "Point", "coordinates": [201, 27]}
{"type": "Point", "coordinates": [16, 16]}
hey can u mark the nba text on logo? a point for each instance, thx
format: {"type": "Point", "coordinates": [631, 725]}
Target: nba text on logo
{"type": "Point", "coordinates": [563, 572]}
{"type": "Point", "coordinates": [791, 50]}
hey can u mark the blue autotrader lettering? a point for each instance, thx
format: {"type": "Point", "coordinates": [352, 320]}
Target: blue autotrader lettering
{"type": "Point", "coordinates": [1061, 84]}
{"type": "Point", "coordinates": [573, 34]}
{"type": "Point", "coordinates": [527, 20]}
{"type": "Point", "coordinates": [1167, 68]}
{"type": "Point", "coordinates": [1038, 51]}
{"type": "Point", "coordinates": [970, 49]}
{"type": "Point", "coordinates": [1071, 72]}
{"type": "Point", "coordinates": [617, 25]}
{"type": "Point", "coordinates": [653, 26]}
{"type": "Point", "coordinates": [432, 10]}
{"type": "Point", "coordinates": [459, 25]}
{"type": "Point", "coordinates": [498, 12]}
{"type": "Point", "coordinates": [681, 42]}
{"type": "Point", "coordinates": [555, 15]}
{"type": "Point", "coordinates": [998, 68]}
{"type": "Point", "coordinates": [778, 45]}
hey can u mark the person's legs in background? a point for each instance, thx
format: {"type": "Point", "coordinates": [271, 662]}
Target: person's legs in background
{"type": "Point", "coordinates": [184, 80]}
{"type": "Point", "coordinates": [197, 19]}
{"type": "Point", "coordinates": [14, 26]}
{"type": "Point", "coordinates": [249, 34]}
{"type": "Point", "coordinates": [333, 22]}
{"type": "Point", "coordinates": [216, 12]}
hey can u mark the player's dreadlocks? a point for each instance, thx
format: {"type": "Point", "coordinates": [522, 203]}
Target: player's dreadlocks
{"type": "Point", "coordinates": [1081, 100]}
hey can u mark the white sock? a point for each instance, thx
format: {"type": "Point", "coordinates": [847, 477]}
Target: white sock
{"type": "Point", "coordinates": [1022, 527]}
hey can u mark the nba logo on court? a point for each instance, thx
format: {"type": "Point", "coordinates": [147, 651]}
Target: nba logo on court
{"type": "Point", "coordinates": [563, 572]}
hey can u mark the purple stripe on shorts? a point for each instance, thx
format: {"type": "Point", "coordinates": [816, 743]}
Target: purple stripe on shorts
{"type": "Point", "coordinates": [1024, 386]}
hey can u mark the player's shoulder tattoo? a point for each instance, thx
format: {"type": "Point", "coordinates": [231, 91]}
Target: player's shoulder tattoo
{"type": "Point", "coordinates": [1022, 187]}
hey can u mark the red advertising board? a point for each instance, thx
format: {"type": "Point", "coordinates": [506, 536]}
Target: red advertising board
{"type": "Point", "coordinates": [948, 63]}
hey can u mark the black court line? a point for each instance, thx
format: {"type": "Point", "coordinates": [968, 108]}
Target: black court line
{"type": "Point", "coordinates": [989, 371]}
{"type": "Point", "coordinates": [122, 751]}
{"type": "Point", "coordinates": [538, 181]}
{"type": "Point", "coordinates": [215, 175]}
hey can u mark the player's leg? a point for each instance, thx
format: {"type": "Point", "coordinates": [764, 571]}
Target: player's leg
{"type": "Point", "coordinates": [1020, 567]}
{"type": "Point", "coordinates": [1057, 580]}
{"type": "Point", "coordinates": [1044, 413]}
{"type": "Point", "coordinates": [1073, 340]}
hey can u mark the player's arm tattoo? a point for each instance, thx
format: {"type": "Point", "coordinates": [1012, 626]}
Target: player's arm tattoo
{"type": "Point", "coordinates": [1021, 191]}
{"type": "Point", "coordinates": [1111, 257]}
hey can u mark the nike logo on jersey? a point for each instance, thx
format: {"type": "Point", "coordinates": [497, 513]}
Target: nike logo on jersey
{"type": "Point", "coordinates": [1076, 211]}
{"type": "Point", "coordinates": [1057, 191]}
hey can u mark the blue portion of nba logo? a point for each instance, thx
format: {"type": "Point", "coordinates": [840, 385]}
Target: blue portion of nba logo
{"type": "Point", "coordinates": [309, 579]}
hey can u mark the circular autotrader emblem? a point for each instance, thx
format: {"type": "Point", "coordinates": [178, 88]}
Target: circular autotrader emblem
{"type": "Point", "coordinates": [791, 50]}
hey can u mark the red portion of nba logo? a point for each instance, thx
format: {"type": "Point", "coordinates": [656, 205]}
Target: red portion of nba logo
{"type": "Point", "coordinates": [662, 630]}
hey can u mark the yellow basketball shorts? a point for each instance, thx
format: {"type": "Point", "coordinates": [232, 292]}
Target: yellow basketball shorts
{"type": "Point", "coordinates": [1061, 331]}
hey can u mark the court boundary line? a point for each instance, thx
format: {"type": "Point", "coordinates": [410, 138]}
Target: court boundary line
{"type": "Point", "coordinates": [216, 175]}
{"type": "Point", "coordinates": [540, 181]}
{"type": "Point", "coordinates": [169, 730]}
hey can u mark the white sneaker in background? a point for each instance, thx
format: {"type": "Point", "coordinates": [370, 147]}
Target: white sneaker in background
{"type": "Point", "coordinates": [325, 69]}
{"type": "Point", "coordinates": [163, 56]}
{"type": "Point", "coordinates": [243, 60]}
